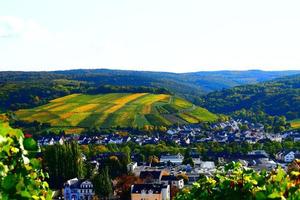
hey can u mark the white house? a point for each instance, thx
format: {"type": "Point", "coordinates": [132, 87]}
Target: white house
{"type": "Point", "coordinates": [196, 159]}
{"type": "Point", "coordinates": [75, 189]}
{"type": "Point", "coordinates": [172, 181]}
{"type": "Point", "coordinates": [287, 157]}
{"type": "Point", "coordinates": [207, 165]}
{"type": "Point", "coordinates": [131, 166]}
{"type": "Point", "coordinates": [176, 159]}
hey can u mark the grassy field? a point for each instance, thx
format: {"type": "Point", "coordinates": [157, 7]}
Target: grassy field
{"type": "Point", "coordinates": [117, 109]}
{"type": "Point", "coordinates": [295, 123]}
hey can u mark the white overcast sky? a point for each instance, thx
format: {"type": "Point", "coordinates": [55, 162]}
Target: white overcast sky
{"type": "Point", "coordinates": [160, 35]}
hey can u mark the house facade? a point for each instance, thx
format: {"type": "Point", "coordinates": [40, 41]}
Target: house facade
{"type": "Point", "coordinates": [75, 189]}
{"type": "Point", "coordinates": [173, 181]}
{"type": "Point", "coordinates": [150, 192]}
{"type": "Point", "coordinates": [131, 166]}
{"type": "Point", "coordinates": [286, 156]}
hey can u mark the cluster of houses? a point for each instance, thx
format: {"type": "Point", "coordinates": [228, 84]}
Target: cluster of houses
{"type": "Point", "coordinates": [156, 185]}
{"type": "Point", "coordinates": [160, 178]}
{"type": "Point", "coordinates": [223, 132]}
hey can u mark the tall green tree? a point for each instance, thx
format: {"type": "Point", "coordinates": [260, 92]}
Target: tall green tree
{"type": "Point", "coordinates": [187, 158]}
{"type": "Point", "coordinates": [102, 183]}
{"type": "Point", "coordinates": [63, 162]}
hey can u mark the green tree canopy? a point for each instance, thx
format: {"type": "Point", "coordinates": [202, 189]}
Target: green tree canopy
{"type": "Point", "coordinates": [102, 183]}
{"type": "Point", "coordinates": [63, 162]}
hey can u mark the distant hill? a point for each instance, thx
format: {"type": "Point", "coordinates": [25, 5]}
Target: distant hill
{"type": "Point", "coordinates": [277, 97]}
{"type": "Point", "coordinates": [117, 109]}
{"type": "Point", "coordinates": [200, 82]}
{"type": "Point", "coordinates": [28, 89]}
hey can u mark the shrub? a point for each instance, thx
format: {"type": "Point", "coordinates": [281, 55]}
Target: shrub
{"type": "Point", "coordinates": [21, 176]}
{"type": "Point", "coordinates": [238, 182]}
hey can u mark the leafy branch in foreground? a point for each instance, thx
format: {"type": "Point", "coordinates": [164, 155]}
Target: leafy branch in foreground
{"type": "Point", "coordinates": [21, 176]}
{"type": "Point", "coordinates": [237, 182]}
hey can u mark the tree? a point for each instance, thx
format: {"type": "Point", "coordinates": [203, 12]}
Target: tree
{"type": "Point", "coordinates": [117, 166]}
{"type": "Point", "coordinates": [153, 160]}
{"type": "Point", "coordinates": [102, 183]}
{"type": "Point", "coordinates": [127, 151]}
{"type": "Point", "coordinates": [124, 184]}
{"type": "Point", "coordinates": [174, 191]}
{"type": "Point", "coordinates": [187, 158]}
{"type": "Point", "coordinates": [63, 162]}
{"type": "Point", "coordinates": [21, 176]}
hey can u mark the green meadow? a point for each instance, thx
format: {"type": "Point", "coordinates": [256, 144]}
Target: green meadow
{"type": "Point", "coordinates": [117, 109]}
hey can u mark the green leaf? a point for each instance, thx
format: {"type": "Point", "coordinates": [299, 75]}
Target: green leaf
{"type": "Point", "coordinates": [260, 196]}
{"type": "Point", "coordinates": [9, 182]}
{"type": "Point", "coordinates": [25, 194]}
{"type": "Point", "coordinates": [280, 174]}
{"type": "Point", "coordinates": [35, 163]}
{"type": "Point", "coordinates": [30, 144]}
{"type": "Point", "coordinates": [275, 195]}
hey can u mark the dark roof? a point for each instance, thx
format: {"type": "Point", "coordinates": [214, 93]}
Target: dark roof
{"type": "Point", "coordinates": [195, 155]}
{"type": "Point", "coordinates": [75, 184]}
{"type": "Point", "coordinates": [236, 155]}
{"type": "Point", "coordinates": [106, 155]}
{"type": "Point", "coordinates": [297, 155]}
{"type": "Point", "coordinates": [155, 188]}
{"type": "Point", "coordinates": [150, 174]}
{"type": "Point", "coordinates": [170, 178]}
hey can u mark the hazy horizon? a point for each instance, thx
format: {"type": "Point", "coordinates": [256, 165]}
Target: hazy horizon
{"type": "Point", "coordinates": [171, 35]}
{"type": "Point", "coordinates": [234, 70]}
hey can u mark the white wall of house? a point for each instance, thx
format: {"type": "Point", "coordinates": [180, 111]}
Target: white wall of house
{"type": "Point", "coordinates": [166, 193]}
{"type": "Point", "coordinates": [289, 157]}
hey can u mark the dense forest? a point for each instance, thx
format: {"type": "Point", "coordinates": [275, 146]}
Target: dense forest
{"type": "Point", "coordinates": [277, 97]}
{"type": "Point", "coordinates": [201, 82]}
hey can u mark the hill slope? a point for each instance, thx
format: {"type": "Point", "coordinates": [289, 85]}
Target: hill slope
{"type": "Point", "coordinates": [277, 97]}
{"type": "Point", "coordinates": [295, 123]}
{"type": "Point", "coordinates": [29, 89]}
{"type": "Point", "coordinates": [117, 109]}
{"type": "Point", "coordinates": [200, 82]}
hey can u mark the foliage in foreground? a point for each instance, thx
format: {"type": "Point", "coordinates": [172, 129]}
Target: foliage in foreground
{"type": "Point", "coordinates": [237, 182]}
{"type": "Point", "coordinates": [21, 176]}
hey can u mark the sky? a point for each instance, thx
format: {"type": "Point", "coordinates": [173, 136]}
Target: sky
{"type": "Point", "coordinates": [155, 35]}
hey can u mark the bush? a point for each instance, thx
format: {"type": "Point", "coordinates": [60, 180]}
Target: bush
{"type": "Point", "coordinates": [236, 182]}
{"type": "Point", "coordinates": [21, 176]}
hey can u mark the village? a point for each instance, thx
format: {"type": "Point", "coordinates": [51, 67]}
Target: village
{"type": "Point", "coordinates": [223, 132]}
{"type": "Point", "coordinates": [169, 173]}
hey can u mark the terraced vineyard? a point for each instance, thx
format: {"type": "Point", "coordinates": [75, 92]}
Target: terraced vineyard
{"type": "Point", "coordinates": [117, 109]}
{"type": "Point", "coordinates": [295, 123]}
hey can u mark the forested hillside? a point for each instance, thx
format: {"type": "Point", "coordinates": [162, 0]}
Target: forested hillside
{"type": "Point", "coordinates": [277, 97]}
{"type": "Point", "coordinates": [29, 89]}
{"type": "Point", "coordinates": [200, 82]}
